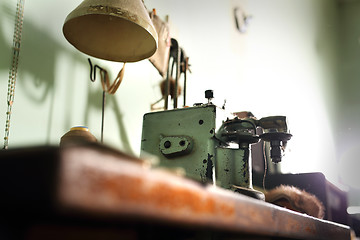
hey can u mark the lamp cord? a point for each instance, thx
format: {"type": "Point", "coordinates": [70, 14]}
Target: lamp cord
{"type": "Point", "coordinates": [14, 67]}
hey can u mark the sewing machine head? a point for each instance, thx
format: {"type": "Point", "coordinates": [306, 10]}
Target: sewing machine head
{"type": "Point", "coordinates": [210, 145]}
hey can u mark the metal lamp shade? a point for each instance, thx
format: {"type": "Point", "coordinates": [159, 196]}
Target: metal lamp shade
{"type": "Point", "coordinates": [115, 30]}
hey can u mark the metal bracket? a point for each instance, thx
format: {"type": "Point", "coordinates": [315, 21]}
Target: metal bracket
{"type": "Point", "coordinates": [174, 146]}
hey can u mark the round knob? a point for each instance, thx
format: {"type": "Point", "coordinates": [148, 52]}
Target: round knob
{"type": "Point", "coordinates": [209, 94]}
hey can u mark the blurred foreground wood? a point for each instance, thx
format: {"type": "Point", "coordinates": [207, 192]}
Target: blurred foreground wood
{"type": "Point", "coordinates": [94, 192]}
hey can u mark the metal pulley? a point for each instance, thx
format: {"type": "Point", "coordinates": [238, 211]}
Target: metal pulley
{"type": "Point", "coordinates": [239, 131]}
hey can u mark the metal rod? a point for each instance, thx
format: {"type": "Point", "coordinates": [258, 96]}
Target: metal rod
{"type": "Point", "coordinates": [185, 70]}
{"type": "Point", "coordinates": [177, 77]}
{"type": "Point", "coordinates": [167, 86]}
{"type": "Point", "coordinates": [103, 116]}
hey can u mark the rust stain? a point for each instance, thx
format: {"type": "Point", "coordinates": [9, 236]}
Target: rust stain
{"type": "Point", "coordinates": [131, 189]}
{"type": "Point", "coordinates": [292, 225]}
{"type": "Point", "coordinates": [127, 189]}
{"type": "Point", "coordinates": [310, 229]}
{"type": "Point", "coordinates": [156, 195]}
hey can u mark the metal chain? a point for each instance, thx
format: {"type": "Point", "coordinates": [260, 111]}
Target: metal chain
{"type": "Point", "coordinates": [14, 66]}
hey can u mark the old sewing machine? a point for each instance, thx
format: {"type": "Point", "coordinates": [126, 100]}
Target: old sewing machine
{"type": "Point", "coordinates": [210, 145]}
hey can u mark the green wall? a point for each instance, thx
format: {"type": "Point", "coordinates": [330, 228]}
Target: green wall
{"type": "Point", "coordinates": [348, 105]}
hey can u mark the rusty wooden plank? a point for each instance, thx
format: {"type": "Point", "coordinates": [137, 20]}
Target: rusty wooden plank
{"type": "Point", "coordinates": [101, 183]}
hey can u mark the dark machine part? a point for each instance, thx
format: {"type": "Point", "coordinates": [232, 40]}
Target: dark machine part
{"type": "Point", "coordinates": [175, 58]}
{"type": "Point", "coordinates": [334, 200]}
{"type": "Point", "coordinates": [278, 141]}
{"type": "Point", "coordinates": [209, 95]}
{"type": "Point", "coordinates": [275, 129]}
{"type": "Point", "coordinates": [277, 123]}
{"type": "Point", "coordinates": [243, 130]}
{"type": "Point", "coordinates": [240, 131]}
{"type": "Point", "coordinates": [275, 151]}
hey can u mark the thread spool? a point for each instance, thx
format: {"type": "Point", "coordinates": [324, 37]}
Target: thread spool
{"type": "Point", "coordinates": [77, 135]}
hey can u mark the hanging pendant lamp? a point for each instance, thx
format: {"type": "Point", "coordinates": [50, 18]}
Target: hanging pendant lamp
{"type": "Point", "coordinates": [115, 30]}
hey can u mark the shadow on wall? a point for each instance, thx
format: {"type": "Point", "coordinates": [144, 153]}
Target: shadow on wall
{"type": "Point", "coordinates": [37, 64]}
{"type": "Point", "coordinates": [94, 101]}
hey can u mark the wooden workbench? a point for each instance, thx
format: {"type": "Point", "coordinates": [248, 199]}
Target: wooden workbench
{"type": "Point", "coordinates": [94, 192]}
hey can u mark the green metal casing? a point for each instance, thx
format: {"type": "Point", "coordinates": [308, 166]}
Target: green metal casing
{"type": "Point", "coordinates": [232, 167]}
{"type": "Point", "coordinates": [183, 138]}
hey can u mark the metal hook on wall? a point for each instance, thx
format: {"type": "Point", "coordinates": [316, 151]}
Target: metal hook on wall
{"type": "Point", "coordinates": [93, 70]}
{"type": "Point", "coordinates": [242, 20]}
{"type": "Point", "coordinates": [107, 88]}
